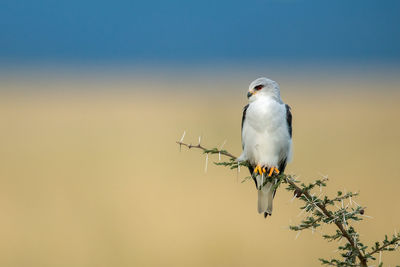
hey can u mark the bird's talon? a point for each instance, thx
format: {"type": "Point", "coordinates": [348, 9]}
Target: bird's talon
{"type": "Point", "coordinates": [258, 169]}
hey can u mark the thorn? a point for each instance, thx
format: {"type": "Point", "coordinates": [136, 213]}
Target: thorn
{"type": "Point", "coordinates": [324, 176]}
{"type": "Point", "coordinates": [180, 141]}
{"type": "Point", "coordinates": [302, 211]}
{"type": "Point", "coordinates": [334, 219]}
{"type": "Point", "coordinates": [307, 214]}
{"type": "Point", "coordinates": [199, 139]}
{"type": "Point", "coordinates": [356, 203]}
{"type": "Point", "coordinates": [297, 235]}
{"type": "Point", "coordinates": [307, 199]}
{"type": "Point", "coordinates": [380, 257]}
{"type": "Point", "coordinates": [183, 136]}
{"type": "Point", "coordinates": [220, 148]}
{"type": "Point", "coordinates": [237, 174]}
{"type": "Point", "coordinates": [319, 209]}
{"type": "Point", "coordinates": [367, 216]}
{"type": "Point", "coordinates": [205, 169]}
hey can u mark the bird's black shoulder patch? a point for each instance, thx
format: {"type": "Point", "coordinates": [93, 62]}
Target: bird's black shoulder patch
{"type": "Point", "coordinates": [244, 114]}
{"type": "Point", "coordinates": [251, 169]}
{"type": "Point", "coordinates": [289, 119]}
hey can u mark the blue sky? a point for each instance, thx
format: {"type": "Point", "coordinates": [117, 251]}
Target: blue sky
{"type": "Point", "coordinates": [198, 31]}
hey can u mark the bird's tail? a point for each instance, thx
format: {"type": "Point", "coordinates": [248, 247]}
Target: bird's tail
{"type": "Point", "coordinates": [265, 197]}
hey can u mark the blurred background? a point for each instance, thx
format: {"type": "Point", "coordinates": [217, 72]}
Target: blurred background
{"type": "Point", "coordinates": [94, 94]}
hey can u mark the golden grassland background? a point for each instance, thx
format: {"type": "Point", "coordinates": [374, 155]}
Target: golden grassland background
{"type": "Point", "coordinates": [93, 177]}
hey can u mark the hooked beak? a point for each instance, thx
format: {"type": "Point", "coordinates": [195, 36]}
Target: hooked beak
{"type": "Point", "coordinates": [250, 93]}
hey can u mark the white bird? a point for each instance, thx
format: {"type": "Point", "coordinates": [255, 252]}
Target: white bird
{"type": "Point", "coordinates": [266, 138]}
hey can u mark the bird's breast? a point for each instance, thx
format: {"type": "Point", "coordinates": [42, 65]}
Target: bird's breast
{"type": "Point", "coordinates": [266, 115]}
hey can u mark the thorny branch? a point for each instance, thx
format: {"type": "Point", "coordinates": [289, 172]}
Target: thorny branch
{"type": "Point", "coordinates": [318, 213]}
{"type": "Point", "coordinates": [205, 150]}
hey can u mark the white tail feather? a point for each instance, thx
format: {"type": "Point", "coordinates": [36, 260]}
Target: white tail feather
{"type": "Point", "coordinates": [265, 197]}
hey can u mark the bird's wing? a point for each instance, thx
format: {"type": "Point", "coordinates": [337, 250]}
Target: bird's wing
{"type": "Point", "coordinates": [251, 169]}
{"type": "Point", "coordinates": [243, 119]}
{"type": "Point", "coordinates": [283, 161]}
{"type": "Point", "coordinates": [289, 119]}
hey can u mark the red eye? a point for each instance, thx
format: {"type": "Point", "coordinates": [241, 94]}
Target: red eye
{"type": "Point", "coordinates": [258, 87]}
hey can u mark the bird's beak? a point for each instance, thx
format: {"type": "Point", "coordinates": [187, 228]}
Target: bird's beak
{"type": "Point", "coordinates": [250, 93]}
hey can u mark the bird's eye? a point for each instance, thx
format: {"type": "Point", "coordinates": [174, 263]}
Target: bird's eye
{"type": "Point", "coordinates": [258, 87]}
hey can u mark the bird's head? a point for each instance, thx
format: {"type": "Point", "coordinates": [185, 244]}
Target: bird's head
{"type": "Point", "coordinates": [263, 87]}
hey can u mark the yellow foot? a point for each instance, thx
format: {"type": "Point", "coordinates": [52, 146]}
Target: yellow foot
{"type": "Point", "coordinates": [258, 169]}
{"type": "Point", "coordinates": [272, 170]}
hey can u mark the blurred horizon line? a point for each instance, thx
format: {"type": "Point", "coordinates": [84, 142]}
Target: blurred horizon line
{"type": "Point", "coordinates": [163, 77]}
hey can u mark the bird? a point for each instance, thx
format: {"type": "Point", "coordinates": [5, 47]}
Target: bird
{"type": "Point", "coordinates": [266, 138]}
